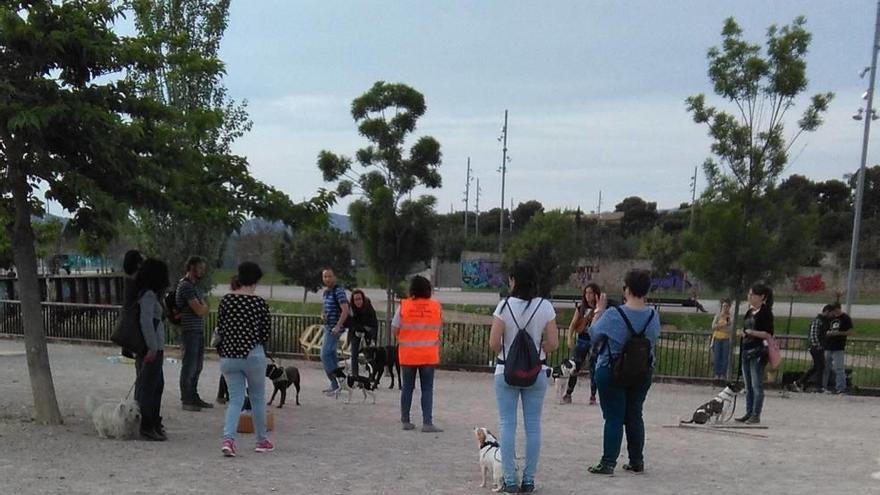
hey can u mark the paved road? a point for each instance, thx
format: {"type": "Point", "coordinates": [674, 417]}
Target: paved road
{"type": "Point", "coordinates": [455, 296]}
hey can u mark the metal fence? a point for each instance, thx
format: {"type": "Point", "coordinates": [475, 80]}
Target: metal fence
{"type": "Point", "coordinates": [679, 354]}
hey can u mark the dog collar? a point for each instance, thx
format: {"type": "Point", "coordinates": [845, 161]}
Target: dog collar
{"type": "Point", "coordinates": [490, 444]}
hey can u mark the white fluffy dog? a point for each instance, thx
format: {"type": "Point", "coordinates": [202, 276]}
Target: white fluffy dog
{"type": "Point", "coordinates": [114, 420]}
{"type": "Point", "coordinates": [490, 457]}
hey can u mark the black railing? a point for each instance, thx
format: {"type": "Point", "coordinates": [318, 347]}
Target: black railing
{"type": "Point", "coordinates": [465, 345]}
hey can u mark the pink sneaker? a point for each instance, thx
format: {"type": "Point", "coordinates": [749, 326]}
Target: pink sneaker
{"type": "Point", "coordinates": [228, 448]}
{"type": "Point", "coordinates": [264, 446]}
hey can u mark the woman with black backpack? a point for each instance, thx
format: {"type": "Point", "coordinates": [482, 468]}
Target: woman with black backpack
{"type": "Point", "coordinates": [626, 337]}
{"type": "Point", "coordinates": [523, 333]}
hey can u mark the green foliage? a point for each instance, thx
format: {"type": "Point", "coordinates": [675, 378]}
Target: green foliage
{"type": "Point", "coordinates": [301, 257]}
{"type": "Point", "coordinates": [524, 212]}
{"type": "Point", "coordinates": [396, 233]}
{"type": "Point", "coordinates": [663, 249]}
{"type": "Point", "coordinates": [638, 215]}
{"type": "Point", "coordinates": [552, 244]}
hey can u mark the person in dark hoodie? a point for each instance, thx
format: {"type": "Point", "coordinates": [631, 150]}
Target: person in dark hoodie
{"type": "Point", "coordinates": [363, 324]}
{"type": "Point", "coordinates": [818, 329]}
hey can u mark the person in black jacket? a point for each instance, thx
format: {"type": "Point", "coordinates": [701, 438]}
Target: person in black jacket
{"type": "Point", "coordinates": [363, 324]}
{"type": "Point", "coordinates": [757, 327]}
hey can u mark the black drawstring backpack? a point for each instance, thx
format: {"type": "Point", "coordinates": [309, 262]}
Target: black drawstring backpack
{"type": "Point", "coordinates": [522, 363]}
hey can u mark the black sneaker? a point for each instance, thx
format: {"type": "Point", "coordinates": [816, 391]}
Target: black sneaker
{"type": "Point", "coordinates": [191, 407]}
{"type": "Point", "coordinates": [204, 405]}
{"type": "Point", "coordinates": [743, 419]}
{"type": "Point", "coordinates": [634, 468]}
{"type": "Point", "coordinates": [754, 420]}
{"type": "Point", "coordinates": [527, 487]}
{"type": "Point", "coordinates": [601, 469]}
{"type": "Point", "coordinates": [509, 488]}
{"type": "Point", "coordinates": [153, 435]}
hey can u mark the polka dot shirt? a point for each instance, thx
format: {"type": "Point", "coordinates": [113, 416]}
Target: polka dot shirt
{"type": "Point", "coordinates": [243, 321]}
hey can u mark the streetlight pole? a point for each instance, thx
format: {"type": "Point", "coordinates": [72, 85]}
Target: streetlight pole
{"type": "Point", "coordinates": [860, 188]}
{"type": "Point", "coordinates": [503, 175]}
{"type": "Point", "coordinates": [467, 195]}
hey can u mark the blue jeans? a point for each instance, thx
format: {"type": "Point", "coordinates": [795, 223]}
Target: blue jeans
{"type": "Point", "coordinates": [753, 374]}
{"type": "Point", "coordinates": [622, 407]}
{"type": "Point", "coordinates": [426, 384]}
{"type": "Point", "coordinates": [532, 405]}
{"type": "Point", "coordinates": [328, 355]}
{"type": "Point", "coordinates": [193, 349]}
{"type": "Point", "coordinates": [245, 374]}
{"type": "Point", "coordinates": [834, 362]}
{"type": "Point", "coordinates": [721, 356]}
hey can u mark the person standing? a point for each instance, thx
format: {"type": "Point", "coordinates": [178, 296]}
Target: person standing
{"type": "Point", "coordinates": [818, 330]}
{"type": "Point", "coordinates": [757, 327]}
{"type": "Point", "coordinates": [538, 318]}
{"type": "Point", "coordinates": [243, 325]}
{"type": "Point", "coordinates": [622, 405]}
{"type": "Point", "coordinates": [580, 326]}
{"type": "Point", "coordinates": [190, 301]}
{"type": "Point", "coordinates": [722, 328]}
{"type": "Point", "coordinates": [840, 327]}
{"type": "Point", "coordinates": [363, 325]}
{"type": "Point", "coordinates": [151, 280]}
{"type": "Point", "coordinates": [416, 325]}
{"type": "Point", "coordinates": [335, 315]}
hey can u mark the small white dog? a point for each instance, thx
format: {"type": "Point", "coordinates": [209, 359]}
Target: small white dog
{"type": "Point", "coordinates": [490, 457]}
{"type": "Point", "coordinates": [114, 420]}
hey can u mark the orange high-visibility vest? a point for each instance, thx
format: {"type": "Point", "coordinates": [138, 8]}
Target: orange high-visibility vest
{"type": "Point", "coordinates": [419, 337]}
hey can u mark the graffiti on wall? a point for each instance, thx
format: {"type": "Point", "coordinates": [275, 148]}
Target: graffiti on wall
{"type": "Point", "coordinates": [480, 274]}
{"type": "Point", "coordinates": [809, 283]}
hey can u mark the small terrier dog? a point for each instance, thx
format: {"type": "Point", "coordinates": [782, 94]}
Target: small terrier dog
{"type": "Point", "coordinates": [560, 375]}
{"type": "Point", "coordinates": [350, 382]}
{"type": "Point", "coordinates": [715, 407]}
{"type": "Point", "coordinates": [120, 420]}
{"type": "Point", "coordinates": [282, 379]}
{"type": "Point", "coordinates": [490, 457]}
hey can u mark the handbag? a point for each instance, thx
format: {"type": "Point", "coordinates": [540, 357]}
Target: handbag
{"type": "Point", "coordinates": [773, 353]}
{"type": "Point", "coordinates": [127, 330]}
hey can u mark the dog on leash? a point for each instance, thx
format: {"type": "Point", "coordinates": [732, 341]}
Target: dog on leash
{"type": "Point", "coordinates": [282, 379]}
{"type": "Point", "coordinates": [350, 382]}
{"type": "Point", "coordinates": [119, 420]}
{"type": "Point", "coordinates": [490, 457]}
{"type": "Point", "coordinates": [381, 359]}
{"type": "Point", "coordinates": [715, 407]}
{"type": "Point", "coordinates": [560, 375]}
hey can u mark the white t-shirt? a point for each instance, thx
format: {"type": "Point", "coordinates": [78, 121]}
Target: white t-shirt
{"type": "Point", "coordinates": [522, 311]}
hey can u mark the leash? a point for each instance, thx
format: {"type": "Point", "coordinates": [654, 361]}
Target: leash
{"type": "Point", "coordinates": [130, 389]}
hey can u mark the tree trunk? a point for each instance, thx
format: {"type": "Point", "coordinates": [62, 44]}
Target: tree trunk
{"type": "Point", "coordinates": [45, 403]}
{"type": "Point", "coordinates": [305, 296]}
{"type": "Point", "coordinates": [389, 308]}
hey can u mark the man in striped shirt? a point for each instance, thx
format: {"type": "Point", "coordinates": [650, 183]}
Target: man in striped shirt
{"type": "Point", "coordinates": [335, 315]}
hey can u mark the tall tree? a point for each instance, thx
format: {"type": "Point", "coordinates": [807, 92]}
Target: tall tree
{"type": "Point", "coordinates": [638, 215]}
{"type": "Point", "coordinates": [302, 256]}
{"type": "Point", "coordinates": [551, 243]}
{"type": "Point", "coordinates": [395, 230]}
{"type": "Point", "coordinates": [72, 124]}
{"type": "Point", "coordinates": [524, 212]}
{"type": "Point", "coordinates": [737, 237]}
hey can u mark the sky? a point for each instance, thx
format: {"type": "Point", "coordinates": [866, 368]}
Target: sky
{"type": "Point", "coordinates": [595, 89]}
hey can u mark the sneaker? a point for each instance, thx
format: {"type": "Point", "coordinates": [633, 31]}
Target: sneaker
{"type": "Point", "coordinates": [566, 399]}
{"type": "Point", "coordinates": [228, 448]}
{"type": "Point", "coordinates": [593, 401]}
{"type": "Point", "coordinates": [743, 419]}
{"type": "Point", "coordinates": [601, 469]}
{"type": "Point", "coordinates": [408, 426]}
{"type": "Point", "coordinates": [204, 405]}
{"type": "Point", "coordinates": [264, 446]}
{"type": "Point", "coordinates": [430, 428]}
{"type": "Point", "coordinates": [191, 407]}
{"type": "Point", "coordinates": [753, 420]}
{"type": "Point", "coordinates": [509, 488]}
{"type": "Point", "coordinates": [153, 435]}
{"type": "Point", "coordinates": [527, 486]}
{"type": "Point", "coordinates": [634, 468]}
{"type": "Point", "coordinates": [330, 392]}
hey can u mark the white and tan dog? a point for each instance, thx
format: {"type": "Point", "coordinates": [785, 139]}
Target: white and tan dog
{"type": "Point", "coordinates": [490, 457]}
{"type": "Point", "coordinates": [114, 420]}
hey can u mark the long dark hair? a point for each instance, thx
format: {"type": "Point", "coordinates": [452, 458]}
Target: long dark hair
{"type": "Point", "coordinates": [152, 275]}
{"type": "Point", "coordinates": [368, 305]}
{"type": "Point", "coordinates": [766, 292]}
{"type": "Point", "coordinates": [596, 290]}
{"type": "Point", "coordinates": [525, 281]}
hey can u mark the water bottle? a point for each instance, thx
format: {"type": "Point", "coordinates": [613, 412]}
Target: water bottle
{"type": "Point", "coordinates": [170, 361]}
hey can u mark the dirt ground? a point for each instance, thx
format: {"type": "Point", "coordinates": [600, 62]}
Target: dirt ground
{"type": "Point", "coordinates": [816, 443]}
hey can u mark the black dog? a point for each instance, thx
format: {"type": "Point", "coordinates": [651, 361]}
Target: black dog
{"type": "Point", "coordinates": [382, 358]}
{"type": "Point", "coordinates": [282, 379]}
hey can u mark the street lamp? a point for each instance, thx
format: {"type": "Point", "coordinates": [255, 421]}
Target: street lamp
{"type": "Point", "coordinates": [860, 187]}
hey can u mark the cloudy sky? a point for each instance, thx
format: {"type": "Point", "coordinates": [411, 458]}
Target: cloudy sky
{"type": "Point", "coordinates": [595, 89]}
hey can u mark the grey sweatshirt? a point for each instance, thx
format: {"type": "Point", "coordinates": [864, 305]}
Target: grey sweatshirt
{"type": "Point", "coordinates": [151, 311]}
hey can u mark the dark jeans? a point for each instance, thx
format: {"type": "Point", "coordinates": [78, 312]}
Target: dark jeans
{"type": "Point", "coordinates": [581, 355]}
{"type": "Point", "coordinates": [426, 381]}
{"type": "Point", "coordinates": [753, 375]}
{"type": "Point", "coordinates": [817, 370]}
{"type": "Point", "coordinates": [193, 349]}
{"type": "Point", "coordinates": [622, 407]}
{"type": "Point", "coordinates": [148, 390]}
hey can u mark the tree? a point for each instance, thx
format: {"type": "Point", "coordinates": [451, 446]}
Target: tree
{"type": "Point", "coordinates": [737, 237]}
{"type": "Point", "coordinates": [662, 248]}
{"type": "Point", "coordinates": [638, 215]}
{"type": "Point", "coordinates": [301, 257]}
{"type": "Point", "coordinates": [395, 230]}
{"type": "Point", "coordinates": [551, 243]}
{"type": "Point", "coordinates": [70, 122]}
{"type": "Point", "coordinates": [524, 212]}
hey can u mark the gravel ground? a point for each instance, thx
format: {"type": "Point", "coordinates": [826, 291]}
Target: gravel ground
{"type": "Point", "coordinates": [815, 443]}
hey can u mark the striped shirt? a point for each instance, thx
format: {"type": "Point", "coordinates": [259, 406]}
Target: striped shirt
{"type": "Point", "coordinates": [334, 298]}
{"type": "Point", "coordinates": [186, 292]}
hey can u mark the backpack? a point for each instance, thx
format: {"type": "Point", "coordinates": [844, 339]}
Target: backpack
{"type": "Point", "coordinates": [632, 366]}
{"type": "Point", "coordinates": [171, 308]}
{"type": "Point", "coordinates": [522, 363]}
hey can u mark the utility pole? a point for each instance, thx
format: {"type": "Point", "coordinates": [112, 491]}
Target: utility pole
{"type": "Point", "coordinates": [860, 188]}
{"type": "Point", "coordinates": [693, 195]}
{"type": "Point", "coordinates": [467, 194]}
{"type": "Point", "coordinates": [503, 139]}
{"type": "Point", "coordinates": [599, 208]}
{"type": "Point", "coordinates": [479, 193]}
